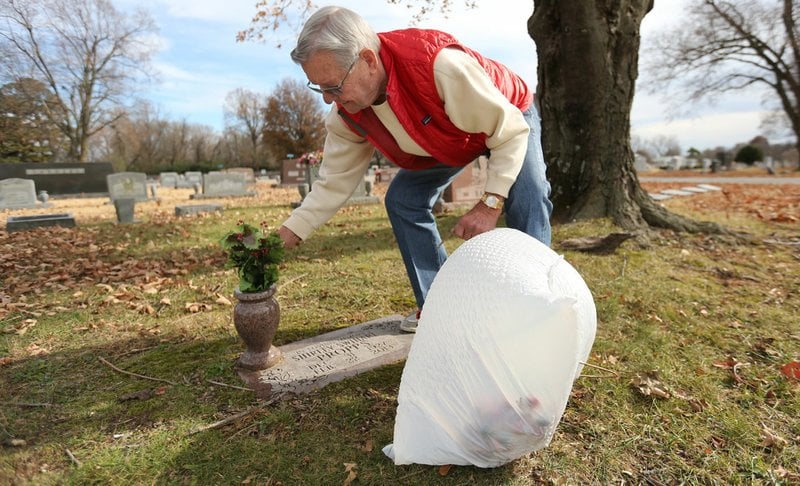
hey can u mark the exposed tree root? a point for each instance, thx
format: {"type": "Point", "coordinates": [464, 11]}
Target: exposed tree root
{"type": "Point", "coordinates": [656, 216]}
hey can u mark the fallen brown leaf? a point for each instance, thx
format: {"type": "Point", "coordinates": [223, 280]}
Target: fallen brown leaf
{"type": "Point", "coordinates": [368, 446]}
{"type": "Point", "coordinates": [734, 365]}
{"type": "Point", "coordinates": [771, 439]}
{"type": "Point", "coordinates": [444, 470]}
{"type": "Point", "coordinates": [350, 469]}
{"type": "Point", "coordinates": [222, 300]}
{"type": "Point", "coordinates": [195, 307]}
{"type": "Point", "coordinates": [789, 476]}
{"type": "Point", "coordinates": [648, 385]}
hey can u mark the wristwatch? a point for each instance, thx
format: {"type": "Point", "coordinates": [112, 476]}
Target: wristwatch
{"type": "Point", "coordinates": [492, 200]}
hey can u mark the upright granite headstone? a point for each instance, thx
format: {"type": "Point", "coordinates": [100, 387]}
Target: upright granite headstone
{"type": "Point", "coordinates": [224, 184]}
{"type": "Point", "coordinates": [192, 178]}
{"type": "Point", "coordinates": [168, 179]}
{"type": "Point", "coordinates": [17, 194]}
{"type": "Point", "coordinates": [361, 195]}
{"type": "Point", "coordinates": [293, 172]}
{"type": "Point", "coordinates": [127, 185]}
{"type": "Point", "coordinates": [249, 174]}
{"type": "Point", "coordinates": [386, 174]}
{"type": "Point", "coordinates": [67, 178]}
{"type": "Point", "coordinates": [125, 208]}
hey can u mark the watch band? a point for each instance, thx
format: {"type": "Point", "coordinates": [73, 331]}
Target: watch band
{"type": "Point", "coordinates": [492, 200]}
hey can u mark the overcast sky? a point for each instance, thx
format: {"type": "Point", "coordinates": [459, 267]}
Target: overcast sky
{"type": "Point", "coordinates": [199, 61]}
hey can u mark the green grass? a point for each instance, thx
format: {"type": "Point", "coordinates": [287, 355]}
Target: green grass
{"type": "Point", "coordinates": [679, 308]}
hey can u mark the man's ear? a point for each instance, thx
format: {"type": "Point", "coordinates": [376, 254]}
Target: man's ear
{"type": "Point", "coordinates": [370, 57]}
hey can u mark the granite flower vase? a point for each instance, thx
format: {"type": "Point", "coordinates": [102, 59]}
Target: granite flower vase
{"type": "Point", "coordinates": [256, 316]}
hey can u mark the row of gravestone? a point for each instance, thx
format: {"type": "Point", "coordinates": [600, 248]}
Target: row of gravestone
{"type": "Point", "coordinates": [18, 193]}
{"type": "Point", "coordinates": [134, 185]}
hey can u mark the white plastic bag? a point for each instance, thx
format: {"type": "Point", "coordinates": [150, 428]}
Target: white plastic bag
{"type": "Point", "coordinates": [504, 327]}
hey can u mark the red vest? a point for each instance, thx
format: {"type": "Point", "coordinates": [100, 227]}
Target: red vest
{"type": "Point", "coordinates": [408, 56]}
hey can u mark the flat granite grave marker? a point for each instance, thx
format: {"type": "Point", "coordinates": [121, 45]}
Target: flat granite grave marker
{"type": "Point", "coordinates": [127, 185]}
{"type": "Point", "coordinates": [17, 194]}
{"type": "Point", "coordinates": [676, 192]}
{"type": "Point", "coordinates": [315, 362]}
{"type": "Point", "coordinates": [193, 209]}
{"type": "Point", "coordinates": [695, 189]}
{"type": "Point", "coordinates": [19, 223]}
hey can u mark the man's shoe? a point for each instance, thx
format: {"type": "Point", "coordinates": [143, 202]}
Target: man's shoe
{"type": "Point", "coordinates": [409, 324]}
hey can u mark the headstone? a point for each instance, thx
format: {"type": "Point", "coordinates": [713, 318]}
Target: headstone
{"type": "Point", "coordinates": [386, 174]}
{"type": "Point", "coordinates": [224, 184]}
{"type": "Point", "coordinates": [469, 186]}
{"type": "Point", "coordinates": [293, 172]}
{"type": "Point", "coordinates": [127, 185]}
{"type": "Point", "coordinates": [189, 179]}
{"type": "Point", "coordinates": [676, 192]}
{"type": "Point", "coordinates": [125, 210]}
{"type": "Point", "coordinates": [73, 179]}
{"type": "Point", "coordinates": [315, 362]}
{"type": "Point", "coordinates": [640, 164]}
{"type": "Point", "coordinates": [168, 179]}
{"type": "Point", "coordinates": [249, 174]}
{"type": "Point", "coordinates": [660, 197]}
{"type": "Point", "coordinates": [193, 177]}
{"type": "Point", "coordinates": [20, 223]}
{"type": "Point", "coordinates": [17, 194]}
{"type": "Point", "coordinates": [694, 189]}
{"type": "Point", "coordinates": [193, 209]}
{"type": "Point", "coordinates": [362, 194]}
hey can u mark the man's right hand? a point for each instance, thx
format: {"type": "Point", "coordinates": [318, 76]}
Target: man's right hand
{"type": "Point", "coordinates": [290, 240]}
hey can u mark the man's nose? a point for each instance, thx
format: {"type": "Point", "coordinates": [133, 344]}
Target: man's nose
{"type": "Point", "coordinates": [328, 98]}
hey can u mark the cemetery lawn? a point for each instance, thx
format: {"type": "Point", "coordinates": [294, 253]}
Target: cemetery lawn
{"type": "Point", "coordinates": [693, 377]}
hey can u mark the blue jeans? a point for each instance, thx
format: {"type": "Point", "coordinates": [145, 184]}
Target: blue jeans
{"type": "Point", "coordinates": [412, 194]}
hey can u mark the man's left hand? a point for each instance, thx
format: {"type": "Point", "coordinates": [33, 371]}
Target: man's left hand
{"type": "Point", "coordinates": [479, 219]}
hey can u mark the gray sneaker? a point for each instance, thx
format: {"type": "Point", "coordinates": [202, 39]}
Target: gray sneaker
{"type": "Point", "coordinates": [409, 324]}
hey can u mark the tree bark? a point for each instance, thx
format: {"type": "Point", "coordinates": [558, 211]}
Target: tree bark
{"type": "Point", "coordinates": [587, 70]}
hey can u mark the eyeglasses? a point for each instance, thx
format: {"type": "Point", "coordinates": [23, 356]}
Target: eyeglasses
{"type": "Point", "coordinates": [334, 90]}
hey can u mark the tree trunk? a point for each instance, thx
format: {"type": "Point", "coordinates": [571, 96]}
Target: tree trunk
{"type": "Point", "coordinates": [588, 52]}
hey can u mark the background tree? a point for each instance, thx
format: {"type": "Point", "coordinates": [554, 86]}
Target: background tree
{"type": "Point", "coordinates": [749, 154]}
{"type": "Point", "coordinates": [244, 112]}
{"type": "Point", "coordinates": [294, 120]}
{"type": "Point", "coordinates": [588, 53]}
{"type": "Point", "coordinates": [86, 52]}
{"type": "Point", "coordinates": [724, 46]}
{"type": "Point", "coordinates": [26, 133]}
{"type": "Point", "coordinates": [145, 140]}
